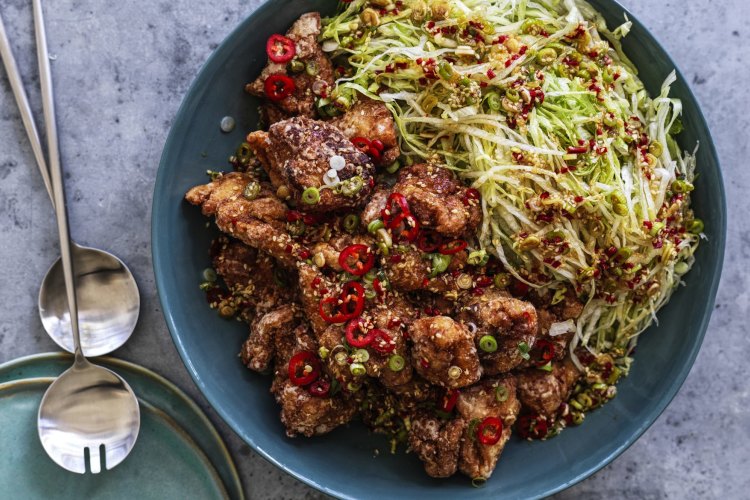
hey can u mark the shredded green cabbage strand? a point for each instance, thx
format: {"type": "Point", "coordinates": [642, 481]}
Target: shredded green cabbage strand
{"type": "Point", "coordinates": [584, 188]}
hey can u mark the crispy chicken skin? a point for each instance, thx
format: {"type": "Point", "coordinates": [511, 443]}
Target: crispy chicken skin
{"type": "Point", "coordinates": [296, 153]}
{"type": "Point", "coordinates": [437, 443]}
{"type": "Point", "coordinates": [301, 412]}
{"type": "Point", "coordinates": [259, 223]}
{"type": "Point", "coordinates": [438, 200]}
{"type": "Point", "coordinates": [476, 403]}
{"type": "Point", "coordinates": [259, 349]}
{"type": "Point", "coordinates": [249, 274]}
{"type": "Point", "coordinates": [511, 321]}
{"type": "Point", "coordinates": [440, 344]}
{"type": "Point", "coordinates": [410, 272]}
{"type": "Point", "coordinates": [543, 392]}
{"type": "Point", "coordinates": [305, 33]}
{"type": "Point", "coordinates": [332, 248]}
{"type": "Point", "coordinates": [371, 119]}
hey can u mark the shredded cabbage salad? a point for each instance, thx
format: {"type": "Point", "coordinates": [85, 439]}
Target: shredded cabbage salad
{"type": "Point", "coordinates": [584, 188]}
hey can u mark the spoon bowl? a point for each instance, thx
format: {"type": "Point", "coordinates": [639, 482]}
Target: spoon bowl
{"type": "Point", "coordinates": [72, 434]}
{"type": "Point", "coordinates": [108, 302]}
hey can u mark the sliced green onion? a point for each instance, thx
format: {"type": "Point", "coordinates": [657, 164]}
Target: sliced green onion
{"type": "Point", "coordinates": [524, 349]}
{"type": "Point", "coordinates": [351, 223]}
{"type": "Point", "coordinates": [251, 191]}
{"type": "Point", "coordinates": [357, 369]}
{"type": "Point", "coordinates": [440, 264]}
{"type": "Point", "coordinates": [454, 372]}
{"type": "Point", "coordinates": [323, 352]}
{"type": "Point", "coordinates": [488, 343]}
{"type": "Point", "coordinates": [501, 393]}
{"type": "Point", "coordinates": [396, 363]}
{"type": "Point", "coordinates": [361, 356]}
{"type": "Point", "coordinates": [311, 196]}
{"type": "Point", "coordinates": [209, 275]}
{"type": "Point", "coordinates": [478, 258]}
{"type": "Point", "coordinates": [373, 226]}
{"type": "Point", "coordinates": [464, 281]}
{"type": "Point", "coordinates": [352, 186]}
{"type": "Point", "coordinates": [393, 167]}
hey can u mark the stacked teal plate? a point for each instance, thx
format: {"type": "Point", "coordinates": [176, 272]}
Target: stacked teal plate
{"type": "Point", "coordinates": [178, 455]}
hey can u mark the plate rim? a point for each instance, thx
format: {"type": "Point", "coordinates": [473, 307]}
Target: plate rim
{"type": "Point", "coordinates": [649, 419]}
{"type": "Point", "coordinates": [237, 485]}
{"type": "Point", "coordinates": [11, 387]}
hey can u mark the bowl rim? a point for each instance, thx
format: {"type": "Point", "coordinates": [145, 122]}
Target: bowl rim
{"type": "Point", "coordinates": [649, 418]}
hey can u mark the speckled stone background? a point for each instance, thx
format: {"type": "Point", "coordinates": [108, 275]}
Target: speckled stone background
{"type": "Point", "coordinates": [121, 70]}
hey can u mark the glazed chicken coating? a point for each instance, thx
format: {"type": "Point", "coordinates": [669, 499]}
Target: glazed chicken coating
{"type": "Point", "coordinates": [444, 352]}
{"type": "Point", "coordinates": [492, 397]}
{"type": "Point", "coordinates": [543, 392]}
{"type": "Point", "coordinates": [437, 443]}
{"type": "Point", "coordinates": [373, 120]}
{"type": "Point", "coordinates": [259, 349]}
{"type": "Point", "coordinates": [510, 321]}
{"type": "Point", "coordinates": [259, 222]}
{"type": "Point", "coordinates": [297, 153]}
{"type": "Point", "coordinates": [438, 200]}
{"type": "Point", "coordinates": [250, 275]}
{"type": "Point", "coordinates": [301, 102]}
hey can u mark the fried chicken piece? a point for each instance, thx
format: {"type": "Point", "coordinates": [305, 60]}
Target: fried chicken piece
{"type": "Point", "coordinates": [259, 222]}
{"type": "Point", "coordinates": [373, 120]}
{"type": "Point", "coordinates": [270, 114]}
{"type": "Point", "coordinates": [384, 409]}
{"type": "Point", "coordinates": [444, 352]}
{"type": "Point", "coordinates": [510, 321]}
{"type": "Point", "coordinates": [438, 200]}
{"type": "Point", "coordinates": [259, 349]}
{"type": "Point", "coordinates": [390, 318]}
{"type": "Point", "coordinates": [297, 152]}
{"type": "Point", "coordinates": [304, 32]}
{"type": "Point", "coordinates": [301, 412]}
{"type": "Point", "coordinates": [250, 275]}
{"type": "Point", "coordinates": [492, 397]}
{"type": "Point", "coordinates": [569, 308]}
{"type": "Point", "coordinates": [437, 443]}
{"type": "Point", "coordinates": [543, 392]}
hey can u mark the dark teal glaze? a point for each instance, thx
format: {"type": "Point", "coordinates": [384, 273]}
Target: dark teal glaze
{"type": "Point", "coordinates": [342, 464]}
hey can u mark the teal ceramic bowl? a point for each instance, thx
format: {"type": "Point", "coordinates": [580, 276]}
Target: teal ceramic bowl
{"type": "Point", "coordinates": [343, 463]}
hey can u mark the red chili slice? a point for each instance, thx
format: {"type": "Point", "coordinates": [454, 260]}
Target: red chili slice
{"type": "Point", "coordinates": [320, 388]}
{"type": "Point", "coordinates": [448, 402]}
{"type": "Point", "coordinates": [280, 49]}
{"type": "Point", "coordinates": [304, 368]}
{"type": "Point", "coordinates": [545, 351]}
{"type": "Point", "coordinates": [378, 144]}
{"type": "Point", "coordinates": [452, 247]}
{"type": "Point", "coordinates": [374, 153]}
{"type": "Point", "coordinates": [394, 206]}
{"type": "Point", "coordinates": [353, 299]}
{"type": "Point", "coordinates": [278, 87]}
{"type": "Point", "coordinates": [328, 310]}
{"type": "Point", "coordinates": [362, 143]}
{"type": "Point", "coordinates": [355, 336]}
{"type": "Point", "coordinates": [363, 258]}
{"type": "Point", "coordinates": [382, 342]}
{"type": "Point", "coordinates": [490, 430]}
{"type": "Point", "coordinates": [470, 195]}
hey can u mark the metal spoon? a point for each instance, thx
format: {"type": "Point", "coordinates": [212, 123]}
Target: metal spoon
{"type": "Point", "coordinates": [88, 410]}
{"type": "Point", "coordinates": [109, 302]}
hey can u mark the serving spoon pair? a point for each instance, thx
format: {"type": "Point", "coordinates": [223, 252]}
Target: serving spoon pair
{"type": "Point", "coordinates": [88, 414]}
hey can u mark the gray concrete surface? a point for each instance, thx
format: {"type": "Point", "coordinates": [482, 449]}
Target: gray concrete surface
{"type": "Point", "coordinates": [121, 70]}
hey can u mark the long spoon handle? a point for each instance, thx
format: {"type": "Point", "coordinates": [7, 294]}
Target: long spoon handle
{"type": "Point", "coordinates": [55, 170]}
{"type": "Point", "coordinates": [14, 76]}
